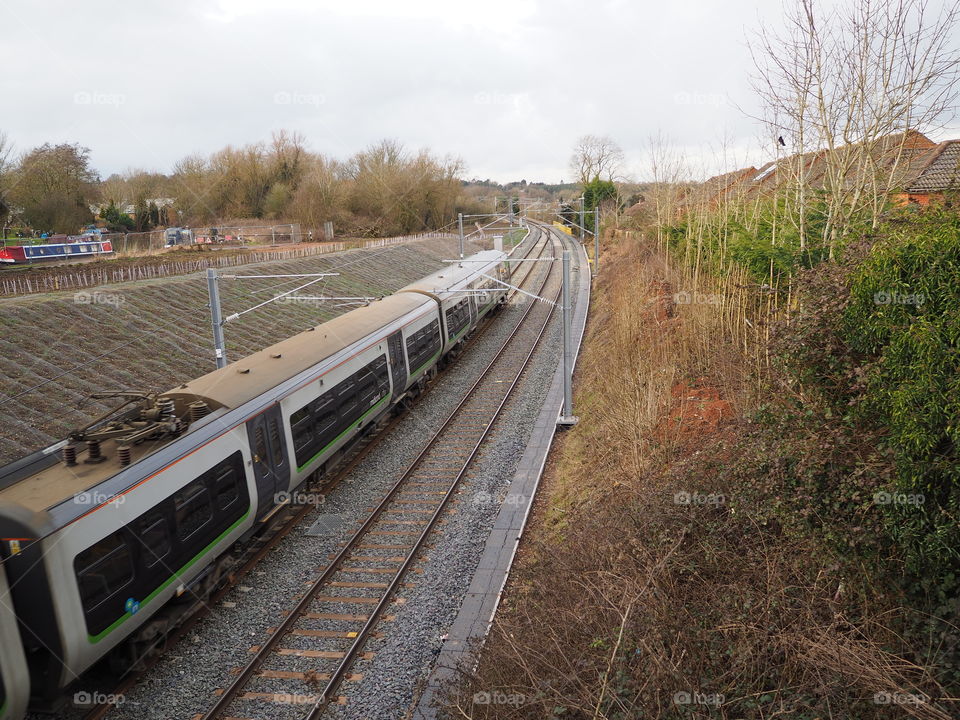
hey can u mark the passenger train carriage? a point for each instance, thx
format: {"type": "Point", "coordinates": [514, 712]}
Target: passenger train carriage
{"type": "Point", "coordinates": [14, 683]}
{"type": "Point", "coordinates": [113, 537]}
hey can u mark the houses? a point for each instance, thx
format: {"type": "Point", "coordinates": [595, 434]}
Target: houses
{"type": "Point", "coordinates": [939, 177]}
{"type": "Point", "coordinates": [908, 167]}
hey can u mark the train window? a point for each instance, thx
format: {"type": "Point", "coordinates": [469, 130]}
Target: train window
{"type": "Point", "coordinates": [103, 570]}
{"type": "Point", "coordinates": [326, 418]}
{"type": "Point", "coordinates": [259, 444]}
{"type": "Point", "coordinates": [301, 417]}
{"type": "Point", "coordinates": [321, 421]}
{"type": "Point", "coordinates": [225, 485]}
{"type": "Point", "coordinates": [423, 345]}
{"type": "Point", "coordinates": [369, 394]}
{"type": "Point", "coordinates": [372, 384]}
{"type": "Point", "coordinates": [155, 537]}
{"type": "Point", "coordinates": [301, 424]}
{"type": "Point", "coordinates": [192, 506]}
{"type": "Point", "coordinates": [382, 374]}
{"type": "Point", "coordinates": [458, 316]}
{"type": "Point", "coordinates": [276, 443]}
{"type": "Point", "coordinates": [348, 399]}
{"type": "Point", "coordinates": [366, 387]}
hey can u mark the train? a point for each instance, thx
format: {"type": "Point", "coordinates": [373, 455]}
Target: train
{"type": "Point", "coordinates": [112, 537]}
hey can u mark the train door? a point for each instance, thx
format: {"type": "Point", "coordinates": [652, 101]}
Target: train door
{"type": "Point", "coordinates": [398, 363]}
{"type": "Point", "coordinates": [271, 465]}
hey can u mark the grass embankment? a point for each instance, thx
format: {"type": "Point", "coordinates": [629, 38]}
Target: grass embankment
{"type": "Point", "coordinates": [708, 541]}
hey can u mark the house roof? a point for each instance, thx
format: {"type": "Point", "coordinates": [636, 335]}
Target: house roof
{"type": "Point", "coordinates": [941, 172]}
{"type": "Point", "coordinates": [900, 160]}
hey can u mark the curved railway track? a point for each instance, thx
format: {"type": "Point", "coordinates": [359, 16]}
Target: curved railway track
{"type": "Point", "coordinates": [307, 658]}
{"type": "Point", "coordinates": [293, 515]}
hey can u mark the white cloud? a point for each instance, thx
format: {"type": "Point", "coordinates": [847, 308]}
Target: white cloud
{"type": "Point", "coordinates": [506, 85]}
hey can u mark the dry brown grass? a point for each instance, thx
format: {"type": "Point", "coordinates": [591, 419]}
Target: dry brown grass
{"type": "Point", "coordinates": [625, 601]}
{"type": "Point", "coordinates": [642, 343]}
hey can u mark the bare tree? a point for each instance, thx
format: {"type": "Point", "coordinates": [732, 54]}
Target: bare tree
{"type": "Point", "coordinates": [670, 174]}
{"type": "Point", "coordinates": [843, 88]}
{"type": "Point", "coordinates": [596, 157]}
{"type": "Point", "coordinates": [6, 151]}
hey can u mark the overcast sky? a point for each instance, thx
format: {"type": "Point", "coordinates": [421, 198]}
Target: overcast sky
{"type": "Point", "coordinates": [507, 85]}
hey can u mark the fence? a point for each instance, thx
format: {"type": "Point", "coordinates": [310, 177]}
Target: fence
{"type": "Point", "coordinates": [227, 236]}
{"type": "Point", "coordinates": [383, 242]}
{"type": "Point", "coordinates": [78, 277]}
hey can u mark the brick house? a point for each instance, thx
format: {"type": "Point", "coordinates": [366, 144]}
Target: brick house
{"type": "Point", "coordinates": [914, 168]}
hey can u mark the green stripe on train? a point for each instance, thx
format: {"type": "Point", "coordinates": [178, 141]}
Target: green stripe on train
{"type": "Point", "coordinates": [349, 427]}
{"type": "Point", "coordinates": [93, 639]}
{"type": "Point", "coordinates": [429, 360]}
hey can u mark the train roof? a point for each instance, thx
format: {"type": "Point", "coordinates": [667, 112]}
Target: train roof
{"type": "Point", "coordinates": [255, 374]}
{"type": "Point", "coordinates": [454, 277]}
{"type": "Point", "coordinates": [41, 481]}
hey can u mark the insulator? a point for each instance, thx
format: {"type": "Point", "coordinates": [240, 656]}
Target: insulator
{"type": "Point", "coordinates": [123, 452]}
{"type": "Point", "coordinates": [70, 455]}
{"type": "Point", "coordinates": [93, 452]}
{"type": "Point", "coordinates": [198, 409]}
{"type": "Point", "coordinates": [167, 408]}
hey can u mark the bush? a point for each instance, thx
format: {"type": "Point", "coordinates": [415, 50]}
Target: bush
{"type": "Point", "coordinates": [903, 320]}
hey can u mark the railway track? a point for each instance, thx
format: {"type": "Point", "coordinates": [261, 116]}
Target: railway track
{"type": "Point", "coordinates": [306, 659]}
{"type": "Point", "coordinates": [293, 515]}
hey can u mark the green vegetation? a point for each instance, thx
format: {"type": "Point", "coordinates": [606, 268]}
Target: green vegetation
{"type": "Point", "coordinates": [54, 186]}
{"type": "Point", "coordinates": [876, 349]}
{"type": "Point", "coordinates": [116, 220]}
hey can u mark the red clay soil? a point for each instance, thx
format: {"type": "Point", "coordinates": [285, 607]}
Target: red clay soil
{"type": "Point", "coordinates": [698, 409]}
